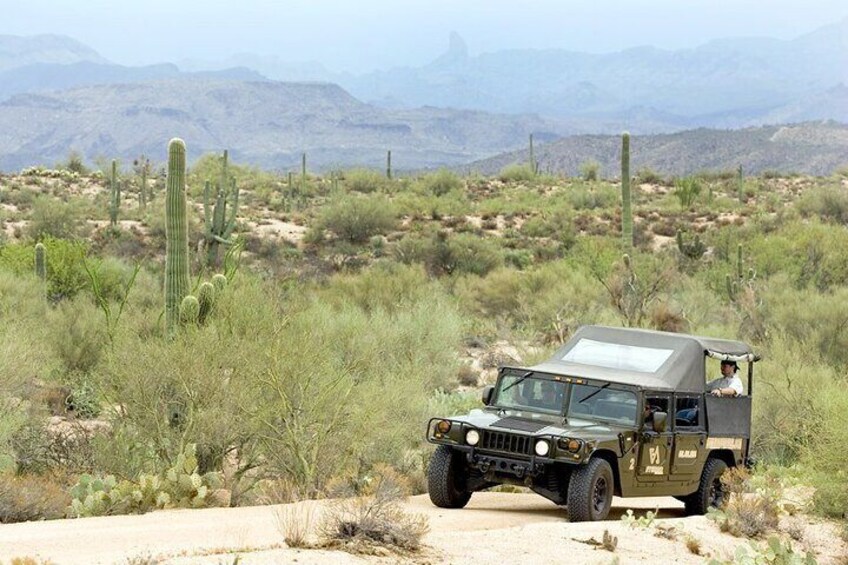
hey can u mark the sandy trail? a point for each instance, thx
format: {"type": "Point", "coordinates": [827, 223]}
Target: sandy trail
{"type": "Point", "coordinates": [525, 527]}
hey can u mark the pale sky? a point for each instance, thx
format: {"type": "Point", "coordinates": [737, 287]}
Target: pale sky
{"type": "Point", "coordinates": [362, 35]}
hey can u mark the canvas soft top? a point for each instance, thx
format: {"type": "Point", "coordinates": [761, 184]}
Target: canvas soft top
{"type": "Point", "coordinates": [646, 358]}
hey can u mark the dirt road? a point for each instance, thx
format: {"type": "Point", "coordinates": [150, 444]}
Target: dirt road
{"type": "Point", "coordinates": [494, 528]}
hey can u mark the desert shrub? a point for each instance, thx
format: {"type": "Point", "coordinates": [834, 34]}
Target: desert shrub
{"type": "Point", "coordinates": [829, 202]}
{"type": "Point", "coordinates": [167, 399]}
{"type": "Point", "coordinates": [590, 170]}
{"type": "Point", "coordinates": [550, 301]}
{"type": "Point", "coordinates": [57, 219]}
{"type": "Point", "coordinates": [582, 197]}
{"type": "Point", "coordinates": [811, 317]}
{"type": "Point", "coordinates": [558, 225]}
{"type": "Point", "coordinates": [25, 498]}
{"type": "Point", "coordinates": [687, 190]}
{"type": "Point", "coordinates": [441, 182]}
{"type": "Point", "coordinates": [65, 273]}
{"type": "Point", "coordinates": [324, 411]}
{"type": "Point", "coordinates": [357, 219]}
{"type": "Point", "coordinates": [747, 513]}
{"type": "Point", "coordinates": [365, 180]}
{"type": "Point", "coordinates": [517, 173]}
{"type": "Point", "coordinates": [77, 335]}
{"type": "Point", "coordinates": [646, 175]}
{"type": "Point", "coordinates": [388, 286]}
{"type": "Point", "coordinates": [375, 518]}
{"type": "Point", "coordinates": [446, 254]}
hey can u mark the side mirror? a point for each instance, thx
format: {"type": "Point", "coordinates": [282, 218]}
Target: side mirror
{"type": "Point", "coordinates": [660, 421]}
{"type": "Point", "coordinates": [487, 394]}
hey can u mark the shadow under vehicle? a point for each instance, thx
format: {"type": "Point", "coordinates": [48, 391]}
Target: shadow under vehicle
{"type": "Point", "coordinates": [614, 411]}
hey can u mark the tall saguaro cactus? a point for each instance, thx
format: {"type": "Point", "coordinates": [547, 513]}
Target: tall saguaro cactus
{"type": "Point", "coordinates": [389, 164]}
{"type": "Point", "coordinates": [219, 226]}
{"type": "Point", "coordinates": [533, 165]}
{"type": "Point", "coordinates": [115, 195]}
{"type": "Point", "coordinates": [176, 236]}
{"type": "Point", "coordinates": [626, 210]}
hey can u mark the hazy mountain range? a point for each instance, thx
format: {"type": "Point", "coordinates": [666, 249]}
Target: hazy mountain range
{"type": "Point", "coordinates": [57, 94]}
{"type": "Point", "coordinates": [814, 147]}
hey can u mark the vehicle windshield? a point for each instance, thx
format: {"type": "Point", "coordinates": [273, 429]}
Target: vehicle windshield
{"type": "Point", "coordinates": [598, 402]}
{"type": "Point", "coordinates": [530, 392]}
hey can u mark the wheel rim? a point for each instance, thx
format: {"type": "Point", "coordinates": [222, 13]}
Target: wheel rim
{"type": "Point", "coordinates": [599, 495]}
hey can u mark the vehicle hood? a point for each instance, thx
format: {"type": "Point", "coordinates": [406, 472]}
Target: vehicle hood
{"type": "Point", "coordinates": [530, 423]}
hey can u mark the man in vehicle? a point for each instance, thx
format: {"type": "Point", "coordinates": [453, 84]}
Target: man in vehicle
{"type": "Point", "coordinates": [729, 384]}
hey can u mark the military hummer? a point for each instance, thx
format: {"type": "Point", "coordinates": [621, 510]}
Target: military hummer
{"type": "Point", "coordinates": [614, 411]}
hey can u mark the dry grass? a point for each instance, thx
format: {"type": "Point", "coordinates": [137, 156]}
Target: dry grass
{"type": "Point", "coordinates": [748, 514]}
{"type": "Point", "coordinates": [295, 523]}
{"type": "Point", "coordinates": [375, 520]}
{"type": "Point", "coordinates": [693, 544]}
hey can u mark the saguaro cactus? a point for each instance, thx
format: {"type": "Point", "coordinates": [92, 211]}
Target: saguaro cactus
{"type": "Point", "coordinates": [533, 164]}
{"type": "Point", "coordinates": [115, 195]}
{"type": "Point", "coordinates": [176, 236]}
{"type": "Point", "coordinates": [219, 226]}
{"type": "Point", "coordinates": [626, 211]}
{"type": "Point", "coordinates": [740, 184]}
{"type": "Point", "coordinates": [40, 262]}
{"type": "Point", "coordinates": [389, 164]}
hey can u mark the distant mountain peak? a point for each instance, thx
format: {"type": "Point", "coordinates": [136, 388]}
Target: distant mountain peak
{"type": "Point", "coordinates": [18, 51]}
{"type": "Point", "coordinates": [457, 51]}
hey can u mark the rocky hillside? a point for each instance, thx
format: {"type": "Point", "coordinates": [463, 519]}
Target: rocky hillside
{"type": "Point", "coordinates": [814, 148]}
{"type": "Point", "coordinates": [263, 123]}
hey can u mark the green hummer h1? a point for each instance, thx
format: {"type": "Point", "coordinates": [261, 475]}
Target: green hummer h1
{"type": "Point", "coordinates": [614, 411]}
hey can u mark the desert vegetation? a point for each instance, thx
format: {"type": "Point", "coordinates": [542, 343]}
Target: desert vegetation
{"type": "Point", "coordinates": [311, 323]}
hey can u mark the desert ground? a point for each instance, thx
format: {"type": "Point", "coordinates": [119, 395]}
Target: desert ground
{"type": "Point", "coordinates": [494, 527]}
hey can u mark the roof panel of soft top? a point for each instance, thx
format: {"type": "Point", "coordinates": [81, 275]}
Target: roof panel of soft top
{"type": "Point", "coordinates": [646, 358]}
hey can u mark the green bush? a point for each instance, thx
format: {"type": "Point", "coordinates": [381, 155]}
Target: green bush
{"type": "Point", "coordinates": [56, 219]}
{"type": "Point", "coordinates": [444, 254]}
{"type": "Point", "coordinates": [829, 202]}
{"type": "Point", "coordinates": [441, 182]}
{"type": "Point", "coordinates": [517, 173]}
{"type": "Point", "coordinates": [365, 180]}
{"type": "Point", "coordinates": [65, 273]}
{"type": "Point", "coordinates": [590, 170]}
{"type": "Point", "coordinates": [356, 219]}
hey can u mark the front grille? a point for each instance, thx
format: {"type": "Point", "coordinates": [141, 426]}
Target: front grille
{"type": "Point", "coordinates": [507, 443]}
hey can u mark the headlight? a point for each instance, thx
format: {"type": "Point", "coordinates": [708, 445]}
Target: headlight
{"type": "Point", "coordinates": [572, 445]}
{"type": "Point", "coordinates": [472, 437]}
{"type": "Point", "coordinates": [443, 426]}
{"type": "Point", "coordinates": [542, 448]}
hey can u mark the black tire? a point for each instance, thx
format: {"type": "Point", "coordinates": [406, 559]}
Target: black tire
{"type": "Point", "coordinates": [710, 491]}
{"type": "Point", "coordinates": [590, 491]}
{"type": "Point", "coordinates": [446, 478]}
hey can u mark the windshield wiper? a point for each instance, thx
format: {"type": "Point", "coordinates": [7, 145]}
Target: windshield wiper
{"type": "Point", "coordinates": [591, 394]}
{"type": "Point", "coordinates": [519, 380]}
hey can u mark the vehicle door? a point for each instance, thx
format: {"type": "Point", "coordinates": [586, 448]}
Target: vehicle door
{"type": "Point", "coordinates": [654, 445]}
{"type": "Point", "coordinates": [690, 435]}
